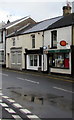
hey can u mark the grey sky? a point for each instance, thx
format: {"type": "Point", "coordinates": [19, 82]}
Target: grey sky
{"type": "Point", "coordinates": [37, 10]}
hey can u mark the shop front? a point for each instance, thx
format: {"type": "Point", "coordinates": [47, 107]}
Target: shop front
{"type": "Point", "coordinates": [33, 59]}
{"type": "Point", "coordinates": [59, 61]}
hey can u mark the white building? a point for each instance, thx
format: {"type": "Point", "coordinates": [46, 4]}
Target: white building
{"type": "Point", "coordinates": [47, 45]}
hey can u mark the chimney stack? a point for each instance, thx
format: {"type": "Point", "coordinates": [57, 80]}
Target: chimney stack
{"type": "Point", "coordinates": [66, 9]}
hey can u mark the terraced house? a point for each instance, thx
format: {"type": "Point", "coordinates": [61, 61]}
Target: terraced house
{"type": "Point", "coordinates": [9, 28]}
{"type": "Point", "coordinates": [47, 46]}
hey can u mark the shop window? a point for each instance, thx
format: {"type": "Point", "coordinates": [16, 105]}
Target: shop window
{"type": "Point", "coordinates": [54, 39]}
{"type": "Point", "coordinates": [33, 60]}
{"type": "Point", "coordinates": [66, 61]}
{"type": "Point", "coordinates": [60, 60]}
{"type": "Point", "coordinates": [33, 41]}
{"type": "Point", "coordinates": [50, 60]}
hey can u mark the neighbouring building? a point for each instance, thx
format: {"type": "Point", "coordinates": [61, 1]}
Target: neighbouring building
{"type": "Point", "coordinates": [47, 46]}
{"type": "Point", "coordinates": [10, 28]}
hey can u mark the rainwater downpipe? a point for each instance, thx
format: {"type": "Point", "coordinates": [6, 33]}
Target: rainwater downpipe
{"type": "Point", "coordinates": [43, 50]}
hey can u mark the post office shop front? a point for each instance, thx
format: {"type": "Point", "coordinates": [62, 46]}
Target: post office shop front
{"type": "Point", "coordinates": [59, 61]}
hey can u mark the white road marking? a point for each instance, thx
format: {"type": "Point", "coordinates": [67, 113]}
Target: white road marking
{"type": "Point", "coordinates": [10, 100]}
{"type": "Point", "coordinates": [25, 111]}
{"type": "Point", "coordinates": [32, 116]}
{"type": "Point", "coordinates": [16, 117]}
{"type": "Point", "coordinates": [17, 105]}
{"type": "Point", "coordinates": [63, 89]}
{"type": "Point", "coordinates": [28, 80]}
{"type": "Point", "coordinates": [3, 104]}
{"type": "Point", "coordinates": [10, 110]}
{"type": "Point", "coordinates": [5, 97]}
{"type": "Point", "coordinates": [4, 74]}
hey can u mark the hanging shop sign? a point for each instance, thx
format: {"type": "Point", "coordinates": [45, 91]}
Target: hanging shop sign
{"type": "Point", "coordinates": [63, 43]}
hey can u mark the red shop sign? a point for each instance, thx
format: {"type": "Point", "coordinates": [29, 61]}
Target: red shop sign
{"type": "Point", "coordinates": [63, 43]}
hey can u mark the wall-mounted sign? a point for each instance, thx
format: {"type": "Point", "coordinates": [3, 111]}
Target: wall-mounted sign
{"type": "Point", "coordinates": [63, 43]}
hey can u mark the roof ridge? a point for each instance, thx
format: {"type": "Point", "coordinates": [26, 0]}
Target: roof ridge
{"type": "Point", "coordinates": [17, 20]}
{"type": "Point", "coordinates": [50, 19]}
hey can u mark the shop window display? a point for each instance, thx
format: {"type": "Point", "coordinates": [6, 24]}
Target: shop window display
{"type": "Point", "coordinates": [61, 60]}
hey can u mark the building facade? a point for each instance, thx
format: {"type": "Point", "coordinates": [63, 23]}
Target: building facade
{"type": "Point", "coordinates": [48, 46]}
{"type": "Point", "coordinates": [22, 52]}
{"type": "Point", "coordinates": [60, 52]}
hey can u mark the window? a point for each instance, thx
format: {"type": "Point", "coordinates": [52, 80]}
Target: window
{"type": "Point", "coordinates": [33, 60]}
{"type": "Point", "coordinates": [19, 58]}
{"type": "Point", "coordinates": [13, 41]}
{"type": "Point", "coordinates": [1, 36]}
{"type": "Point", "coordinates": [33, 41]}
{"type": "Point", "coordinates": [60, 60]}
{"type": "Point", "coordinates": [13, 58]}
{"type": "Point", "coordinates": [1, 56]}
{"type": "Point", "coordinates": [54, 39]}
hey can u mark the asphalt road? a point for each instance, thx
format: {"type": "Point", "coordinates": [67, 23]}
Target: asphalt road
{"type": "Point", "coordinates": [45, 96]}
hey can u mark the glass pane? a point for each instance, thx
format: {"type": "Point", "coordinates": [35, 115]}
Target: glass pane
{"type": "Point", "coordinates": [13, 58]}
{"type": "Point", "coordinates": [31, 60]}
{"type": "Point", "coordinates": [35, 60]}
{"type": "Point", "coordinates": [19, 58]}
{"type": "Point", "coordinates": [58, 60]}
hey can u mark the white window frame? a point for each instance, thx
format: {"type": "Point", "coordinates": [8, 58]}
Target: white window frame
{"type": "Point", "coordinates": [33, 60]}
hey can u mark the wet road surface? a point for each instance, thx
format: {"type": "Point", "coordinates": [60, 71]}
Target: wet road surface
{"type": "Point", "coordinates": [46, 97]}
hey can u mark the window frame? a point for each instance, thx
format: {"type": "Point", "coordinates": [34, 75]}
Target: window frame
{"type": "Point", "coordinates": [1, 41]}
{"type": "Point", "coordinates": [33, 60]}
{"type": "Point", "coordinates": [13, 41]}
{"type": "Point", "coordinates": [33, 41]}
{"type": "Point", "coordinates": [53, 34]}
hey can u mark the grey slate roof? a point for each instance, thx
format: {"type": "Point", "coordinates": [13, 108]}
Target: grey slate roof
{"type": "Point", "coordinates": [42, 25]}
{"type": "Point", "coordinates": [67, 20]}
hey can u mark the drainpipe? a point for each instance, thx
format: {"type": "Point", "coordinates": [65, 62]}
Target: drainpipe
{"type": "Point", "coordinates": [72, 55]}
{"type": "Point", "coordinates": [43, 51]}
{"type": "Point", "coordinates": [4, 40]}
